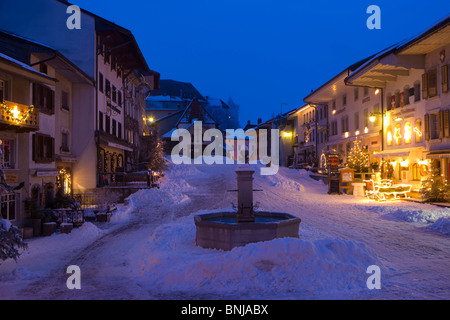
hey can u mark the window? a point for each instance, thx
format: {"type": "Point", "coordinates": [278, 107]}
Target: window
{"type": "Point", "coordinates": [43, 68]}
{"type": "Point", "coordinates": [397, 99]}
{"type": "Point", "coordinates": [108, 88]}
{"type": "Point", "coordinates": [416, 172]}
{"type": "Point", "coordinates": [334, 130]}
{"type": "Point", "coordinates": [418, 131]}
{"type": "Point", "coordinates": [366, 118]}
{"type": "Point", "coordinates": [356, 93]}
{"type": "Point", "coordinates": [100, 121]}
{"type": "Point", "coordinates": [344, 100]}
{"type": "Point", "coordinates": [388, 102]}
{"type": "Point", "coordinates": [344, 124]}
{"type": "Point", "coordinates": [100, 82]}
{"type": "Point", "coordinates": [8, 206]}
{"type": "Point", "coordinates": [356, 120]}
{"type": "Point", "coordinates": [65, 142]}
{"type": "Point", "coordinates": [43, 98]}
{"type": "Point", "coordinates": [3, 90]}
{"type": "Point", "coordinates": [432, 83]}
{"type": "Point", "coordinates": [119, 130]}
{"type": "Point", "coordinates": [416, 91]}
{"type": "Point", "coordinates": [408, 132]}
{"type": "Point", "coordinates": [366, 91]}
{"type": "Point", "coordinates": [429, 84]}
{"type": "Point", "coordinates": [398, 134]}
{"type": "Point", "coordinates": [7, 157]}
{"type": "Point", "coordinates": [114, 94]}
{"type": "Point", "coordinates": [434, 126]}
{"type": "Point", "coordinates": [444, 76]}
{"type": "Point", "coordinates": [114, 127]}
{"type": "Point", "coordinates": [43, 148]}
{"type": "Point", "coordinates": [65, 100]}
{"type": "Point", "coordinates": [108, 124]}
{"type": "Point", "coordinates": [406, 92]}
{"type": "Point", "coordinates": [119, 98]}
{"type": "Point", "coordinates": [376, 111]}
{"type": "Point", "coordinates": [389, 136]}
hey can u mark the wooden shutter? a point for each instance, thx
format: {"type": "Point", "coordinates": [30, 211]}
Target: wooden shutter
{"type": "Point", "coordinates": [441, 124]}
{"type": "Point", "coordinates": [52, 148]}
{"type": "Point", "coordinates": [444, 74]}
{"type": "Point", "coordinates": [446, 123]}
{"type": "Point", "coordinates": [432, 83]}
{"type": "Point", "coordinates": [425, 86]}
{"type": "Point", "coordinates": [427, 127]}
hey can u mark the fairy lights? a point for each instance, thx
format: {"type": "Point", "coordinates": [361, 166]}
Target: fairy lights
{"type": "Point", "coordinates": [14, 113]}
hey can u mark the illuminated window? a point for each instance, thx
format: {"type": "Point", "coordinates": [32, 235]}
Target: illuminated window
{"type": "Point", "coordinates": [418, 130]}
{"type": "Point", "coordinates": [398, 134]}
{"type": "Point", "coordinates": [8, 153]}
{"type": "Point", "coordinates": [408, 132]}
{"type": "Point", "coordinates": [389, 136]}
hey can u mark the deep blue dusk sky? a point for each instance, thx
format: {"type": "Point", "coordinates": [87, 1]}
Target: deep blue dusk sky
{"type": "Point", "coordinates": [262, 53]}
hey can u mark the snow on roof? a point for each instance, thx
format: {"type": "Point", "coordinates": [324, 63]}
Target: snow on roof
{"type": "Point", "coordinates": [22, 65]}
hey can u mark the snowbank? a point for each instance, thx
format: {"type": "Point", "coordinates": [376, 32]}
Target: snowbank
{"type": "Point", "coordinates": [437, 219]}
{"type": "Point", "coordinates": [281, 182]}
{"type": "Point", "coordinates": [44, 253]}
{"type": "Point", "coordinates": [171, 193]}
{"type": "Point", "coordinates": [170, 262]}
{"type": "Point", "coordinates": [441, 225]}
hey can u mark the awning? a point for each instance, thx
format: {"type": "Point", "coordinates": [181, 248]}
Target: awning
{"type": "Point", "coordinates": [393, 153]}
{"type": "Point", "coordinates": [397, 153]}
{"type": "Point", "coordinates": [442, 154]}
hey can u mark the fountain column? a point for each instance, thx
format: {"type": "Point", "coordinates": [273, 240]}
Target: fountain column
{"type": "Point", "coordinates": [245, 193]}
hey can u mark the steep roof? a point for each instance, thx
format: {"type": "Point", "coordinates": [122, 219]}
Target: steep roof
{"type": "Point", "coordinates": [183, 90]}
{"type": "Point", "coordinates": [195, 111]}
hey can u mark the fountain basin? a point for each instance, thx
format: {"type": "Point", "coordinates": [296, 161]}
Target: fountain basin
{"type": "Point", "coordinates": [222, 231]}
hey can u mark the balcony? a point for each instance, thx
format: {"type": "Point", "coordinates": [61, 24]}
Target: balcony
{"type": "Point", "coordinates": [18, 117]}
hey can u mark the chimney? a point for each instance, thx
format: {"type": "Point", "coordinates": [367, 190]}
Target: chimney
{"type": "Point", "coordinates": [259, 120]}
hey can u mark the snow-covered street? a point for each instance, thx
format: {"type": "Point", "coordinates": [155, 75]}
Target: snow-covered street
{"type": "Point", "coordinates": [148, 249]}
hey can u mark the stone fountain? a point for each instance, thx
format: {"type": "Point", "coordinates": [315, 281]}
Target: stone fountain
{"type": "Point", "coordinates": [226, 230]}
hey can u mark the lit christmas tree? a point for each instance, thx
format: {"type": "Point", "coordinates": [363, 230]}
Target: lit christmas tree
{"type": "Point", "coordinates": [436, 189]}
{"type": "Point", "coordinates": [358, 158]}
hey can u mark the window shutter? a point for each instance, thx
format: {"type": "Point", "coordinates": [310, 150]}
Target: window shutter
{"type": "Point", "coordinates": [441, 124]}
{"type": "Point", "coordinates": [52, 102]}
{"type": "Point", "coordinates": [446, 123]}
{"type": "Point", "coordinates": [425, 86]}
{"type": "Point", "coordinates": [52, 148]}
{"type": "Point", "coordinates": [427, 127]}
{"type": "Point", "coordinates": [444, 74]}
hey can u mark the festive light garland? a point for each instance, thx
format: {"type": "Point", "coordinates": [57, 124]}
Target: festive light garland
{"type": "Point", "coordinates": [14, 113]}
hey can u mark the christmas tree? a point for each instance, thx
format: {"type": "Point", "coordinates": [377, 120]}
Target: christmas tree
{"type": "Point", "coordinates": [358, 158]}
{"type": "Point", "coordinates": [152, 152]}
{"type": "Point", "coordinates": [435, 187]}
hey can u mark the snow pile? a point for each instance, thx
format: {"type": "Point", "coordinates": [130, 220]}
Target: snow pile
{"type": "Point", "coordinates": [44, 253]}
{"type": "Point", "coordinates": [171, 192]}
{"type": "Point", "coordinates": [422, 215]}
{"type": "Point", "coordinates": [427, 214]}
{"type": "Point", "coordinates": [441, 225]}
{"type": "Point", "coordinates": [278, 181]}
{"type": "Point", "coordinates": [170, 262]}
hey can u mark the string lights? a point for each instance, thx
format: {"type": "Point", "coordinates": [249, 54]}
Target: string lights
{"type": "Point", "coordinates": [15, 114]}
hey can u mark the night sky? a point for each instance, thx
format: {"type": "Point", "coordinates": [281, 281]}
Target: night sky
{"type": "Point", "coordinates": [266, 55]}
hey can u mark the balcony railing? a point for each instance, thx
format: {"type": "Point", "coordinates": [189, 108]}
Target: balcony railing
{"type": "Point", "coordinates": [21, 117]}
